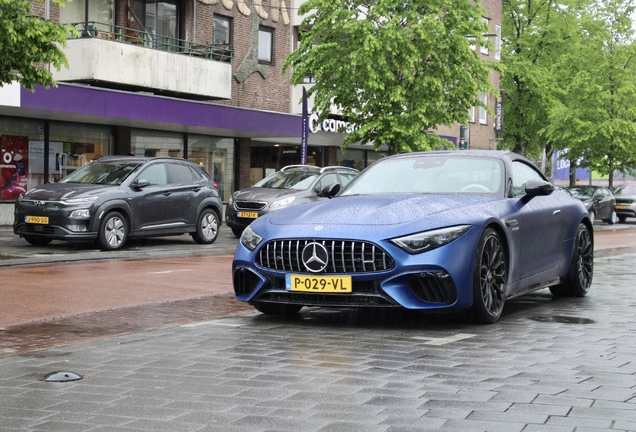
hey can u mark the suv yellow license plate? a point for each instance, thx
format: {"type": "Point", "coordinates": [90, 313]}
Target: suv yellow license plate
{"type": "Point", "coordinates": [42, 220]}
{"type": "Point", "coordinates": [621, 207]}
{"type": "Point", "coordinates": [318, 284]}
{"type": "Point", "coordinates": [248, 215]}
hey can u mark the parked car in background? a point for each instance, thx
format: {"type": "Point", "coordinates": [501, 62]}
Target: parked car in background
{"type": "Point", "coordinates": [625, 201]}
{"type": "Point", "coordinates": [439, 231]}
{"type": "Point", "coordinates": [119, 197]}
{"type": "Point", "coordinates": [292, 185]}
{"type": "Point", "coordinates": [599, 200]}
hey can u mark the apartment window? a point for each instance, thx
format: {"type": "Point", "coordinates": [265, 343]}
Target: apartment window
{"type": "Point", "coordinates": [484, 49]}
{"type": "Point", "coordinates": [222, 30]}
{"type": "Point", "coordinates": [471, 114]}
{"type": "Point", "coordinates": [265, 44]}
{"type": "Point", "coordinates": [498, 43]}
{"type": "Point", "coordinates": [483, 119]}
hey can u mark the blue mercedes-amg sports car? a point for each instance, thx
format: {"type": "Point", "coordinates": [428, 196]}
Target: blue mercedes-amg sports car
{"type": "Point", "coordinates": [451, 230]}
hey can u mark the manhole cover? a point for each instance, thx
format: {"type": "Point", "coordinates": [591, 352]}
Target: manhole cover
{"type": "Point", "coordinates": [564, 319]}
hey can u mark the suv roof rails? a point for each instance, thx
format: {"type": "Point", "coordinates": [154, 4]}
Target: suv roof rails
{"type": "Point", "coordinates": [309, 167]}
{"type": "Point", "coordinates": [323, 169]}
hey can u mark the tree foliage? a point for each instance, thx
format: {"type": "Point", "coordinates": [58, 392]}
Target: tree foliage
{"type": "Point", "coordinates": [27, 43]}
{"type": "Point", "coordinates": [395, 68]}
{"type": "Point", "coordinates": [594, 119]}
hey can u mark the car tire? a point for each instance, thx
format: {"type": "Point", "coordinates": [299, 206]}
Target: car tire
{"type": "Point", "coordinates": [277, 309]}
{"type": "Point", "coordinates": [37, 241]}
{"type": "Point", "coordinates": [592, 216]}
{"type": "Point", "coordinates": [579, 278]}
{"type": "Point", "coordinates": [622, 219]}
{"type": "Point", "coordinates": [238, 231]}
{"type": "Point", "coordinates": [613, 218]}
{"type": "Point", "coordinates": [489, 278]}
{"type": "Point", "coordinates": [113, 232]}
{"type": "Point", "coordinates": [207, 227]}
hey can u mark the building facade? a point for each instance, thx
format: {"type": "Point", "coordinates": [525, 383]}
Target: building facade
{"type": "Point", "coordinates": [196, 79]}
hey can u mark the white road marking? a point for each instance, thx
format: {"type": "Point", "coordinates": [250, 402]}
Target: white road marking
{"type": "Point", "coordinates": [170, 271]}
{"type": "Point", "coordinates": [444, 341]}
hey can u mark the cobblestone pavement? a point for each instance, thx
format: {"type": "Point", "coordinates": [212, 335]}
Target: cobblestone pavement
{"type": "Point", "coordinates": [548, 365]}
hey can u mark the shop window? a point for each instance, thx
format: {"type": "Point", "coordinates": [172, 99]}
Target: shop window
{"type": "Point", "coordinates": [156, 143]}
{"type": "Point", "coordinates": [265, 44]}
{"type": "Point", "coordinates": [352, 158]}
{"type": "Point", "coordinates": [73, 145]}
{"type": "Point", "coordinates": [222, 30]}
{"type": "Point", "coordinates": [216, 156]}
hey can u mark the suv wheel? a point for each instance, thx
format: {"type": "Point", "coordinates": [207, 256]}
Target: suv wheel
{"type": "Point", "coordinates": [113, 231]}
{"type": "Point", "coordinates": [207, 227]}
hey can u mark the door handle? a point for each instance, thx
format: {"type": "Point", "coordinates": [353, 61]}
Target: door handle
{"type": "Point", "coordinates": [167, 193]}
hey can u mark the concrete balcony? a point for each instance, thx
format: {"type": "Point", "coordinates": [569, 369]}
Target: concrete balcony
{"type": "Point", "coordinates": [187, 70]}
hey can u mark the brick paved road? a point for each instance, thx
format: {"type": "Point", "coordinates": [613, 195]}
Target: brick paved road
{"type": "Point", "coordinates": [548, 365]}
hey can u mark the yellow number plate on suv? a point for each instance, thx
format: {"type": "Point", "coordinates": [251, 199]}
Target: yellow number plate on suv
{"type": "Point", "coordinates": [42, 220]}
{"type": "Point", "coordinates": [621, 207]}
{"type": "Point", "coordinates": [318, 284]}
{"type": "Point", "coordinates": [248, 215]}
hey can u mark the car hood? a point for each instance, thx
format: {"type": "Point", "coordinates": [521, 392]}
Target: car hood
{"type": "Point", "coordinates": [264, 194]}
{"type": "Point", "coordinates": [386, 210]}
{"type": "Point", "coordinates": [64, 191]}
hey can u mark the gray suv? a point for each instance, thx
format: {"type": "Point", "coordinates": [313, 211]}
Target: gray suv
{"type": "Point", "coordinates": [294, 184]}
{"type": "Point", "coordinates": [119, 197]}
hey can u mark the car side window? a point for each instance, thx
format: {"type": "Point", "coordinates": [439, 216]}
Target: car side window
{"type": "Point", "coordinates": [521, 174]}
{"type": "Point", "coordinates": [326, 180]}
{"type": "Point", "coordinates": [180, 173]}
{"type": "Point", "coordinates": [345, 179]}
{"type": "Point", "coordinates": [155, 174]}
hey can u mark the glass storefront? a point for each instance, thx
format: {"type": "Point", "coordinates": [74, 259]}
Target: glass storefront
{"type": "Point", "coordinates": [22, 152]}
{"type": "Point", "coordinates": [216, 155]}
{"type": "Point", "coordinates": [266, 158]}
{"type": "Point", "coordinates": [156, 143]}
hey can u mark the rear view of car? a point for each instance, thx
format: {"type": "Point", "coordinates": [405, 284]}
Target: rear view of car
{"type": "Point", "coordinates": [119, 197]}
{"type": "Point", "coordinates": [625, 201]}
{"type": "Point", "coordinates": [292, 185]}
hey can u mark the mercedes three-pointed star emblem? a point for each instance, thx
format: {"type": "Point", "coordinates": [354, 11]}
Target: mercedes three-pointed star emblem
{"type": "Point", "coordinates": [315, 257]}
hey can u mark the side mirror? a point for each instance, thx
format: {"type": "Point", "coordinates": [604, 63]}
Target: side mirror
{"type": "Point", "coordinates": [538, 188]}
{"type": "Point", "coordinates": [330, 191]}
{"type": "Point", "coordinates": [140, 183]}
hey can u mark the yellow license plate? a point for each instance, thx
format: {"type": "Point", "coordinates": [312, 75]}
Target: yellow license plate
{"type": "Point", "coordinates": [318, 284]}
{"type": "Point", "coordinates": [248, 215]}
{"type": "Point", "coordinates": [42, 220]}
{"type": "Point", "coordinates": [621, 207]}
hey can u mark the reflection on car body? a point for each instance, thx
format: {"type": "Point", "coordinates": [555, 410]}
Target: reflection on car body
{"type": "Point", "coordinates": [119, 197]}
{"type": "Point", "coordinates": [292, 185]}
{"type": "Point", "coordinates": [598, 200]}
{"type": "Point", "coordinates": [444, 231]}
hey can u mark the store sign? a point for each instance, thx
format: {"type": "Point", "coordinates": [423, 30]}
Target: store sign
{"type": "Point", "coordinates": [499, 106]}
{"type": "Point", "coordinates": [329, 125]}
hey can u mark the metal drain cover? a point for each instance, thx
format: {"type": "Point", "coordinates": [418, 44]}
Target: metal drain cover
{"type": "Point", "coordinates": [61, 377]}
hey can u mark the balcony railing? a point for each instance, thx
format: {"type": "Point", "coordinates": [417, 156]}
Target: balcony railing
{"type": "Point", "coordinates": [93, 29]}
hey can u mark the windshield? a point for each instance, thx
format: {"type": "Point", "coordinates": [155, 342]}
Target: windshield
{"type": "Point", "coordinates": [582, 193]}
{"type": "Point", "coordinates": [300, 180]}
{"type": "Point", "coordinates": [441, 174]}
{"type": "Point", "coordinates": [625, 190]}
{"type": "Point", "coordinates": [113, 173]}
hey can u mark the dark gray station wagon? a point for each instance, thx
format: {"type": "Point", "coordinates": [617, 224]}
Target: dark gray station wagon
{"type": "Point", "coordinates": [119, 197]}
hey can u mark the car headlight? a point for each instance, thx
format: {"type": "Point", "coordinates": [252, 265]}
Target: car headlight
{"type": "Point", "coordinates": [81, 200]}
{"type": "Point", "coordinates": [250, 239]}
{"type": "Point", "coordinates": [80, 214]}
{"type": "Point", "coordinates": [284, 202]}
{"type": "Point", "coordinates": [230, 202]}
{"type": "Point", "coordinates": [429, 240]}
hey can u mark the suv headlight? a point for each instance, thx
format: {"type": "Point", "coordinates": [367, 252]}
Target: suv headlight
{"type": "Point", "coordinates": [429, 240]}
{"type": "Point", "coordinates": [284, 202]}
{"type": "Point", "coordinates": [81, 200]}
{"type": "Point", "coordinates": [80, 214]}
{"type": "Point", "coordinates": [250, 239]}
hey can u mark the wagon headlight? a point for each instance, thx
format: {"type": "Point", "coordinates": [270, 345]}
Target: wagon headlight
{"type": "Point", "coordinates": [250, 239]}
{"type": "Point", "coordinates": [284, 202]}
{"type": "Point", "coordinates": [429, 240]}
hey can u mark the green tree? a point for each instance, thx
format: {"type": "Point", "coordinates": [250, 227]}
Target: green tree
{"type": "Point", "coordinates": [535, 34]}
{"type": "Point", "coordinates": [395, 68]}
{"type": "Point", "coordinates": [595, 117]}
{"type": "Point", "coordinates": [27, 43]}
